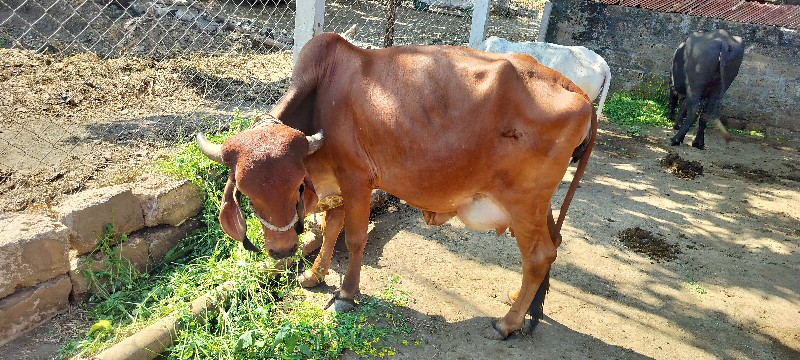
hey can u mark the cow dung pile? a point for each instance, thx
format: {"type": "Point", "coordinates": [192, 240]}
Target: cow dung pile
{"type": "Point", "coordinates": [645, 242]}
{"type": "Point", "coordinates": [680, 167]}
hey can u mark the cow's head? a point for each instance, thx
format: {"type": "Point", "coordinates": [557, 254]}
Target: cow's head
{"type": "Point", "coordinates": [266, 165]}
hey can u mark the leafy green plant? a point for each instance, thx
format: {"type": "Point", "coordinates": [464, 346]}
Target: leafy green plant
{"type": "Point", "coordinates": [655, 88]}
{"type": "Point", "coordinates": [634, 112]}
{"type": "Point", "coordinates": [257, 326]}
{"type": "Point", "coordinates": [754, 133]}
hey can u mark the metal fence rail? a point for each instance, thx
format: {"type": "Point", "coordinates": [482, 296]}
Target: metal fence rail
{"type": "Point", "coordinates": [92, 91]}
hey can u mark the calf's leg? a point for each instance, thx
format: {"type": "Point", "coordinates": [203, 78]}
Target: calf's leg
{"type": "Point", "coordinates": [331, 227]}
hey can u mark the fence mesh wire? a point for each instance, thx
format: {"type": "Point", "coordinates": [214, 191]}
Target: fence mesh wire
{"type": "Point", "coordinates": [92, 91]}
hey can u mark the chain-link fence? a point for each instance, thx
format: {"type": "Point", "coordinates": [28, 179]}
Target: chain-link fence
{"type": "Point", "coordinates": [93, 91]}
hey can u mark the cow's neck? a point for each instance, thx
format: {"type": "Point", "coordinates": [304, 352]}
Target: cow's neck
{"type": "Point", "coordinates": [296, 109]}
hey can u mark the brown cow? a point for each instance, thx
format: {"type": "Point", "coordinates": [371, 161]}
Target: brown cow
{"type": "Point", "coordinates": [452, 131]}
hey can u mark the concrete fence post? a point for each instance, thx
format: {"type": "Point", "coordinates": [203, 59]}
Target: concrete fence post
{"type": "Point", "coordinates": [480, 15]}
{"type": "Point", "coordinates": [548, 6]}
{"type": "Point", "coordinates": [308, 20]}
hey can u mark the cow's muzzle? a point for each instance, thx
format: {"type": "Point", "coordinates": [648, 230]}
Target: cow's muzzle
{"type": "Point", "coordinates": [277, 255]}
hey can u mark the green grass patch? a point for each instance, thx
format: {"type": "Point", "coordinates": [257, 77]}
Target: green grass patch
{"type": "Point", "coordinates": [266, 317]}
{"type": "Point", "coordinates": [634, 112]}
{"type": "Point", "coordinates": [753, 133]}
{"type": "Point", "coordinates": [256, 326]}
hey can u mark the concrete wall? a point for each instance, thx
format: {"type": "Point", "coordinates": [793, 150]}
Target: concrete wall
{"type": "Point", "coordinates": [638, 45]}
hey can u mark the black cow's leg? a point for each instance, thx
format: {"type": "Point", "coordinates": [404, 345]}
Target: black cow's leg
{"type": "Point", "coordinates": [673, 102]}
{"type": "Point", "coordinates": [699, 138]}
{"type": "Point", "coordinates": [691, 113]}
{"type": "Point", "coordinates": [537, 306]}
{"type": "Point", "coordinates": [710, 111]}
{"type": "Point", "coordinates": [681, 116]}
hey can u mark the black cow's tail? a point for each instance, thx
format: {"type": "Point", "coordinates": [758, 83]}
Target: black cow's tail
{"type": "Point", "coordinates": [580, 154]}
{"type": "Point", "coordinates": [724, 55]}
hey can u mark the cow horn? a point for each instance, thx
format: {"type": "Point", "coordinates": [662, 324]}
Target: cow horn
{"type": "Point", "coordinates": [209, 149]}
{"type": "Point", "coordinates": [314, 142]}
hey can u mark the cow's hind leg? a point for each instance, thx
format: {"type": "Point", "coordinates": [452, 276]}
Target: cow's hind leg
{"type": "Point", "coordinates": [699, 138]}
{"type": "Point", "coordinates": [692, 106]}
{"type": "Point", "coordinates": [538, 253]}
{"type": "Point", "coordinates": [673, 102]}
{"type": "Point", "coordinates": [331, 227]}
{"type": "Point", "coordinates": [710, 110]}
{"type": "Point", "coordinates": [536, 309]}
{"type": "Point", "coordinates": [681, 116]}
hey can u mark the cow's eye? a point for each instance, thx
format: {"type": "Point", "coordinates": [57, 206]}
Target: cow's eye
{"type": "Point", "coordinates": [301, 189]}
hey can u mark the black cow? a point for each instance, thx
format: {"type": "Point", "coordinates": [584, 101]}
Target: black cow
{"type": "Point", "coordinates": [700, 67]}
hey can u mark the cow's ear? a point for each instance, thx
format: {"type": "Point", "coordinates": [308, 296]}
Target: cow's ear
{"type": "Point", "coordinates": [310, 198]}
{"type": "Point", "coordinates": [230, 214]}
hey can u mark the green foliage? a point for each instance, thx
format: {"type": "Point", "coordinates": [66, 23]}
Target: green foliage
{"type": "Point", "coordinates": [256, 326]}
{"type": "Point", "coordinates": [116, 277]}
{"type": "Point", "coordinates": [634, 112]}
{"type": "Point", "coordinates": [653, 88]}
{"type": "Point", "coordinates": [753, 133]}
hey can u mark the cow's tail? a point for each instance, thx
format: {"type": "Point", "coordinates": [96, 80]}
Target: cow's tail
{"type": "Point", "coordinates": [724, 55]}
{"type": "Point", "coordinates": [581, 153]}
{"type": "Point", "coordinates": [606, 85]}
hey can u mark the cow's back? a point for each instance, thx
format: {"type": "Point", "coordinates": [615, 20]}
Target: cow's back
{"type": "Point", "coordinates": [579, 64]}
{"type": "Point", "coordinates": [450, 120]}
{"type": "Point", "coordinates": [702, 54]}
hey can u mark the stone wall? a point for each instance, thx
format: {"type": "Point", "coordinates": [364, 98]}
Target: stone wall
{"type": "Point", "coordinates": [638, 45]}
{"type": "Point", "coordinates": [42, 258]}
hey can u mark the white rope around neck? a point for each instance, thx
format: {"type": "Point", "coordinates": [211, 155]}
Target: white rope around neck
{"type": "Point", "coordinates": [275, 228]}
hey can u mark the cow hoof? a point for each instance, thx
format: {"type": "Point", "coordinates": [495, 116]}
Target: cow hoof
{"type": "Point", "coordinates": [340, 305]}
{"type": "Point", "coordinates": [531, 326]}
{"type": "Point", "coordinates": [676, 127]}
{"type": "Point", "coordinates": [699, 146]}
{"type": "Point", "coordinates": [675, 142]}
{"type": "Point", "coordinates": [492, 333]}
{"type": "Point", "coordinates": [309, 279]}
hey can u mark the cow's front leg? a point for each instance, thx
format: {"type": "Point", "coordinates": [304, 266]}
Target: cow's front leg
{"type": "Point", "coordinates": [331, 227]}
{"type": "Point", "coordinates": [356, 221]}
{"type": "Point", "coordinates": [538, 253]}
